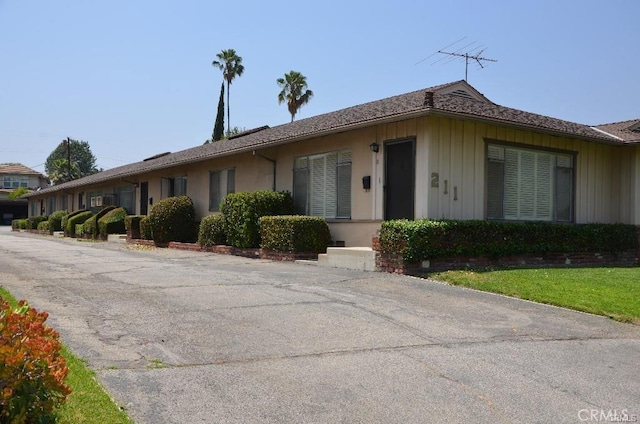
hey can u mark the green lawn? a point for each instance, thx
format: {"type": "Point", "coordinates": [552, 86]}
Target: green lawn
{"type": "Point", "coordinates": [612, 292]}
{"type": "Point", "coordinates": [88, 402]}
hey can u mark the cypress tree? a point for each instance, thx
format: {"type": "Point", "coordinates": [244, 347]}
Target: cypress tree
{"type": "Point", "coordinates": [218, 129]}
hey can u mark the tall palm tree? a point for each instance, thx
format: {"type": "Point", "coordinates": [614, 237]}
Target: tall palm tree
{"type": "Point", "coordinates": [231, 66]}
{"type": "Point", "coordinates": [294, 92]}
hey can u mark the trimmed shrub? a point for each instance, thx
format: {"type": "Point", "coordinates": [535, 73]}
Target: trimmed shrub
{"type": "Point", "coordinates": [295, 233]}
{"type": "Point", "coordinates": [24, 224]}
{"type": "Point", "coordinates": [132, 222]}
{"type": "Point", "coordinates": [212, 231]}
{"type": "Point", "coordinates": [112, 222]}
{"type": "Point", "coordinates": [35, 220]}
{"type": "Point", "coordinates": [79, 218]}
{"type": "Point", "coordinates": [65, 220]}
{"type": "Point", "coordinates": [32, 369]}
{"type": "Point", "coordinates": [55, 220]}
{"type": "Point", "coordinates": [90, 226]}
{"type": "Point", "coordinates": [424, 239]}
{"type": "Point", "coordinates": [145, 229]}
{"type": "Point", "coordinates": [173, 219]}
{"type": "Point", "coordinates": [15, 224]}
{"type": "Point", "coordinates": [44, 226]}
{"type": "Point", "coordinates": [243, 210]}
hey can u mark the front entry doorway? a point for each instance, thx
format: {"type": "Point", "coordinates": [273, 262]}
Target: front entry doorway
{"type": "Point", "coordinates": [399, 176]}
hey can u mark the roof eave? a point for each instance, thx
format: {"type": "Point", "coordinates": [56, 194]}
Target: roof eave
{"type": "Point", "coordinates": [446, 113]}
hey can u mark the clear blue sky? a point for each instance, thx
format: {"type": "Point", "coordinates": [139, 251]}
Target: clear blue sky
{"type": "Point", "coordinates": [134, 77]}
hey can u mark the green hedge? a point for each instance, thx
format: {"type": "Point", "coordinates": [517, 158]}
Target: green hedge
{"type": "Point", "coordinates": [132, 222]}
{"type": "Point", "coordinates": [212, 231]}
{"type": "Point", "coordinates": [90, 226]}
{"type": "Point", "coordinates": [173, 219]}
{"type": "Point", "coordinates": [145, 229]}
{"type": "Point", "coordinates": [55, 220]}
{"type": "Point", "coordinates": [65, 221]}
{"type": "Point", "coordinates": [295, 233]}
{"type": "Point", "coordinates": [112, 222]}
{"type": "Point", "coordinates": [20, 224]}
{"type": "Point", "coordinates": [44, 226]}
{"type": "Point", "coordinates": [79, 218]}
{"type": "Point", "coordinates": [242, 210]}
{"type": "Point", "coordinates": [35, 220]}
{"type": "Point", "coordinates": [424, 239]}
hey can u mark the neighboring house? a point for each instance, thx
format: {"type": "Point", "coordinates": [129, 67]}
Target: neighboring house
{"type": "Point", "coordinates": [442, 152]}
{"type": "Point", "coordinates": [12, 177]}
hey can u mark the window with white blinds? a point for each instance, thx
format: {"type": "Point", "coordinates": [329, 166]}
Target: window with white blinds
{"type": "Point", "coordinates": [322, 184]}
{"type": "Point", "coordinates": [529, 185]}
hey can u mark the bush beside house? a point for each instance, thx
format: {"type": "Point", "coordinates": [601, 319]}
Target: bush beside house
{"type": "Point", "coordinates": [295, 233]}
{"type": "Point", "coordinates": [243, 210]}
{"type": "Point", "coordinates": [404, 243]}
{"type": "Point", "coordinates": [55, 220]}
{"type": "Point", "coordinates": [173, 219]}
{"type": "Point", "coordinates": [212, 231]}
{"type": "Point", "coordinates": [75, 219]}
{"type": "Point", "coordinates": [132, 225]}
{"type": "Point", "coordinates": [113, 222]}
{"type": "Point", "coordinates": [90, 226]}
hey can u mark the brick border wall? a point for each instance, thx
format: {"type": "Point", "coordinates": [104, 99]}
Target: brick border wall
{"type": "Point", "coordinates": [394, 263]}
{"type": "Point", "coordinates": [253, 253]}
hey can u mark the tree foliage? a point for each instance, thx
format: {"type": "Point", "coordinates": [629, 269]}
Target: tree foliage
{"type": "Point", "coordinates": [218, 129]}
{"type": "Point", "coordinates": [83, 162]}
{"type": "Point", "coordinates": [231, 66]}
{"type": "Point", "coordinates": [294, 92]}
{"type": "Point", "coordinates": [15, 194]}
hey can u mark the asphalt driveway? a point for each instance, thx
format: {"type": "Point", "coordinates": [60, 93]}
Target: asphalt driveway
{"type": "Point", "coordinates": [186, 337]}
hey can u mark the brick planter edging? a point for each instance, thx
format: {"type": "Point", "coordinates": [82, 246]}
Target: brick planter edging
{"type": "Point", "coordinates": [253, 253]}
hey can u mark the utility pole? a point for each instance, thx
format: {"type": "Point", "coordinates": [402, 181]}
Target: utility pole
{"type": "Point", "coordinates": [67, 142]}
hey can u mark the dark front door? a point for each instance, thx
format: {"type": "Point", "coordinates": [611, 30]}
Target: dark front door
{"type": "Point", "coordinates": [144, 198]}
{"type": "Point", "coordinates": [399, 171]}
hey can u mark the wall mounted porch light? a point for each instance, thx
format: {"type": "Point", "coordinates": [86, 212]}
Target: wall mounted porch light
{"type": "Point", "coordinates": [375, 147]}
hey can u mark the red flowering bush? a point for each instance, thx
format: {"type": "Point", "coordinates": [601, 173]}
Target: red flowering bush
{"type": "Point", "coordinates": [32, 369]}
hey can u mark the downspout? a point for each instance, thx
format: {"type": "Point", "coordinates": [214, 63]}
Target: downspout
{"type": "Point", "coordinates": [273, 162]}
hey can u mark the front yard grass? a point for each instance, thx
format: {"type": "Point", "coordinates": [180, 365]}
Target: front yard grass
{"type": "Point", "coordinates": [88, 401]}
{"type": "Point", "coordinates": [610, 291]}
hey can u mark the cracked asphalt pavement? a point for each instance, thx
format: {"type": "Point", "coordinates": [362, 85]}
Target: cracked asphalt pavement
{"type": "Point", "coordinates": [187, 337]}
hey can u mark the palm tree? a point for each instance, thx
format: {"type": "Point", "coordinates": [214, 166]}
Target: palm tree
{"type": "Point", "coordinates": [294, 92]}
{"type": "Point", "coordinates": [231, 66]}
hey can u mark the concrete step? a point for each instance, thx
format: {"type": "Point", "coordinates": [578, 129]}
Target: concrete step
{"type": "Point", "coordinates": [359, 258]}
{"type": "Point", "coordinates": [117, 238]}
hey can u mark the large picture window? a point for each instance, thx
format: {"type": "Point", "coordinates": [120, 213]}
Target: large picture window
{"type": "Point", "coordinates": [322, 184]}
{"type": "Point", "coordinates": [221, 183]}
{"type": "Point", "coordinates": [529, 185]}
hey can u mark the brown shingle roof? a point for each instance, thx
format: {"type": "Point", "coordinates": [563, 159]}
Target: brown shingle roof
{"type": "Point", "coordinates": [628, 131]}
{"type": "Point", "coordinates": [444, 101]}
{"type": "Point", "coordinates": [17, 169]}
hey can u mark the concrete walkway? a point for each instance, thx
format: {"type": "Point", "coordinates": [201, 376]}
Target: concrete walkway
{"type": "Point", "coordinates": [188, 337]}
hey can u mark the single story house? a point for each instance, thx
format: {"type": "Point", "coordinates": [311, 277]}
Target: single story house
{"type": "Point", "coordinates": [442, 152]}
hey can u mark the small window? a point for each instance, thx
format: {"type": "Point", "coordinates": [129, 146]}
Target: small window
{"type": "Point", "coordinates": [221, 183]}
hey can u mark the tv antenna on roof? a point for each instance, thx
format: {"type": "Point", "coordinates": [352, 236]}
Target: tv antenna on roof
{"type": "Point", "coordinates": [473, 52]}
